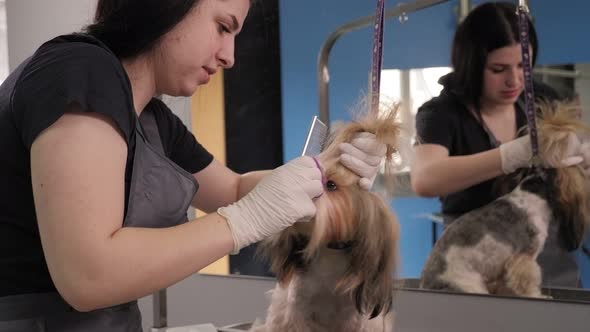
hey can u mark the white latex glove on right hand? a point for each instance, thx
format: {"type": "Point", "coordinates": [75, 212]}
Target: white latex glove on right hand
{"type": "Point", "coordinates": [363, 156]}
{"type": "Point", "coordinates": [515, 154]}
{"type": "Point", "coordinates": [518, 153]}
{"type": "Point", "coordinates": [278, 200]}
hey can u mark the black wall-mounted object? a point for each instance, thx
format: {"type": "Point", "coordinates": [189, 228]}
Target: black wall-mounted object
{"type": "Point", "coordinates": [253, 120]}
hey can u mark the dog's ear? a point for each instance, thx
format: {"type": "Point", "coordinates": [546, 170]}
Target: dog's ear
{"type": "Point", "coordinates": [284, 253]}
{"type": "Point", "coordinates": [373, 256]}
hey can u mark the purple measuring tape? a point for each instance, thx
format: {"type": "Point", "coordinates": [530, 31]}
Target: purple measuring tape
{"type": "Point", "coordinates": [529, 94]}
{"type": "Point", "coordinates": [319, 166]}
{"type": "Point", "coordinates": [377, 56]}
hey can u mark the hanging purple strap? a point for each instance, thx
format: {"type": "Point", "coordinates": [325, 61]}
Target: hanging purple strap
{"type": "Point", "coordinates": [377, 56]}
{"type": "Point", "coordinates": [529, 94]}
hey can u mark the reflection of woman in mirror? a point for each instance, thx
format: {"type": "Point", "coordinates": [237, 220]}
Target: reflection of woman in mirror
{"type": "Point", "coordinates": [468, 134]}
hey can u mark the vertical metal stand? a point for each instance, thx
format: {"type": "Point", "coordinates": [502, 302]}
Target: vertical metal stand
{"type": "Point", "coordinates": [160, 309]}
{"type": "Point", "coordinates": [407, 116]}
{"type": "Point", "coordinates": [464, 8]}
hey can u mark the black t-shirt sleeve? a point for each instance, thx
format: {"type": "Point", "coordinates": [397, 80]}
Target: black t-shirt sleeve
{"type": "Point", "coordinates": [180, 145]}
{"type": "Point", "coordinates": [434, 125]}
{"type": "Point", "coordinates": [59, 75]}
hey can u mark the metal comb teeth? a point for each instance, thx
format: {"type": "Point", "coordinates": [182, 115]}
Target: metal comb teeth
{"type": "Point", "coordinates": [316, 137]}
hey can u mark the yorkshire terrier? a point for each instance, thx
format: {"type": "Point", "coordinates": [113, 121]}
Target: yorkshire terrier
{"type": "Point", "coordinates": [494, 249]}
{"type": "Point", "coordinates": [335, 273]}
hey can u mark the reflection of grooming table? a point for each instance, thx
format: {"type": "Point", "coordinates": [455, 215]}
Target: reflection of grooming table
{"type": "Point", "coordinates": [240, 327]}
{"type": "Point", "coordinates": [226, 300]}
{"type": "Point", "coordinates": [236, 327]}
{"type": "Point", "coordinates": [192, 328]}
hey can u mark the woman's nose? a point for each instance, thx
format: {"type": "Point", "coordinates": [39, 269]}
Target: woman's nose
{"type": "Point", "coordinates": [513, 77]}
{"type": "Point", "coordinates": [225, 56]}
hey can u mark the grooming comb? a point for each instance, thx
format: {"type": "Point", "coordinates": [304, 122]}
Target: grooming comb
{"type": "Point", "coordinates": [316, 137]}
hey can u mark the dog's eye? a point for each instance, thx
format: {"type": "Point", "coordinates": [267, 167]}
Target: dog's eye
{"type": "Point", "coordinates": [331, 186]}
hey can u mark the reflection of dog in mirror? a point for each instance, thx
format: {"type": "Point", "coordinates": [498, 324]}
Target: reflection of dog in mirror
{"type": "Point", "coordinates": [335, 273]}
{"type": "Point", "coordinates": [493, 249]}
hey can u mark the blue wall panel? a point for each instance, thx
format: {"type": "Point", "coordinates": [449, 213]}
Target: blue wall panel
{"type": "Point", "coordinates": [416, 233]}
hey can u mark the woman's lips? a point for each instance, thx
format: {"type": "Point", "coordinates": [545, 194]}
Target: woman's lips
{"type": "Point", "coordinates": [208, 73]}
{"type": "Point", "coordinates": [511, 93]}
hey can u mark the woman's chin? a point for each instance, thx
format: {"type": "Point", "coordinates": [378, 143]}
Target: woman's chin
{"type": "Point", "coordinates": [187, 90]}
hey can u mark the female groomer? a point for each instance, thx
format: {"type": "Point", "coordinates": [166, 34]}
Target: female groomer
{"type": "Point", "coordinates": [97, 174]}
{"type": "Point", "coordinates": [468, 134]}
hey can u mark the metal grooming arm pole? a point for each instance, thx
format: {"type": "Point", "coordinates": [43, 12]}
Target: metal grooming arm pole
{"type": "Point", "coordinates": [160, 306]}
{"type": "Point", "coordinates": [323, 72]}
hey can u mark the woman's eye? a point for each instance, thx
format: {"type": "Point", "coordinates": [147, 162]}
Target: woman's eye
{"type": "Point", "coordinates": [331, 186]}
{"type": "Point", "coordinates": [223, 28]}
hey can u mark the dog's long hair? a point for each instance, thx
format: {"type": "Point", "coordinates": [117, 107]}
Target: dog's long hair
{"type": "Point", "coordinates": [572, 184]}
{"type": "Point", "coordinates": [358, 222]}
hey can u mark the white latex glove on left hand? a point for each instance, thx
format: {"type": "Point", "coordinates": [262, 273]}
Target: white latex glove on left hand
{"type": "Point", "coordinates": [517, 153]}
{"type": "Point", "coordinates": [363, 156]}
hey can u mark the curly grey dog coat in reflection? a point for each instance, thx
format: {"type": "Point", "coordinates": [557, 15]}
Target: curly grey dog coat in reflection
{"type": "Point", "coordinates": [494, 249]}
{"type": "Point", "coordinates": [335, 273]}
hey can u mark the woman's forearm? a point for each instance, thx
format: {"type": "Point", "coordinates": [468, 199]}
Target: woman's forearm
{"type": "Point", "coordinates": [249, 181]}
{"type": "Point", "coordinates": [135, 262]}
{"type": "Point", "coordinates": [452, 174]}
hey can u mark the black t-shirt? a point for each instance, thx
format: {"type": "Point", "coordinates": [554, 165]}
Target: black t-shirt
{"type": "Point", "coordinates": [68, 69]}
{"type": "Point", "coordinates": [446, 121]}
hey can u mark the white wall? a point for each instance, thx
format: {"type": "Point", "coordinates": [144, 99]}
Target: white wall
{"type": "Point", "coordinates": [3, 42]}
{"type": "Point", "coordinates": [32, 22]}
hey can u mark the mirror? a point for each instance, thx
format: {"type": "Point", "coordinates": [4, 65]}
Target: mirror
{"type": "Point", "coordinates": [571, 82]}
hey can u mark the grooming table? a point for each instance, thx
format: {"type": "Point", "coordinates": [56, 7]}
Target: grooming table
{"type": "Point", "coordinates": [229, 303]}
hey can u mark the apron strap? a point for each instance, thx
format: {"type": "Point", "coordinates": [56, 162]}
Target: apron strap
{"type": "Point", "coordinates": [149, 127]}
{"type": "Point", "coordinates": [147, 119]}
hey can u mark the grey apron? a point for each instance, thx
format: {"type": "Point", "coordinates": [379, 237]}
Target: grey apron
{"type": "Point", "coordinates": [159, 195]}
